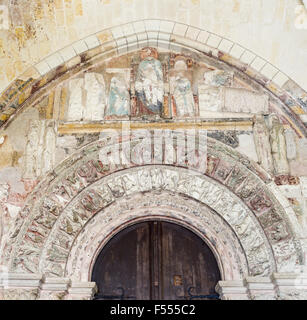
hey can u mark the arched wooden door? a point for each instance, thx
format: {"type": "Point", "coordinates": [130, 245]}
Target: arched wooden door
{"type": "Point", "coordinates": [155, 260]}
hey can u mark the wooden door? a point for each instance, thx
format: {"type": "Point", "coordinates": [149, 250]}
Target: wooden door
{"type": "Point", "coordinates": [153, 261]}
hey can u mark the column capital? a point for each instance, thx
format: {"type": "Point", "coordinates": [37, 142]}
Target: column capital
{"type": "Point", "coordinates": [260, 288]}
{"type": "Point", "coordinates": [232, 290]}
{"type": "Point", "coordinates": [82, 290]}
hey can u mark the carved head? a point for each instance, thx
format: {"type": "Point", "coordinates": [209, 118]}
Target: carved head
{"type": "Point", "coordinates": [180, 65]}
{"type": "Point", "coordinates": [149, 52]}
{"type": "Point", "coordinates": [274, 120]}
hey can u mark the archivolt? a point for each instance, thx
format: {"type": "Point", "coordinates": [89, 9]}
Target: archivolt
{"type": "Point", "coordinates": [232, 186]}
{"type": "Point", "coordinates": [156, 204]}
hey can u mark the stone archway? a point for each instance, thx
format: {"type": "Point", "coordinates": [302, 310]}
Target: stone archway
{"type": "Point", "coordinates": [59, 221]}
{"type": "Point", "coordinates": [169, 206]}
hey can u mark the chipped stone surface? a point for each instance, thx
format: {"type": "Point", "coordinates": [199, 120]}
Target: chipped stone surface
{"type": "Point", "coordinates": [240, 100]}
{"type": "Point", "coordinates": [278, 146]}
{"type": "Point", "coordinates": [39, 154]}
{"type": "Point", "coordinates": [86, 174]}
{"type": "Point", "coordinates": [290, 143]}
{"type": "Point", "coordinates": [303, 181]}
{"type": "Point", "coordinates": [96, 195]}
{"type": "Point", "coordinates": [210, 98]}
{"type": "Point", "coordinates": [247, 146]}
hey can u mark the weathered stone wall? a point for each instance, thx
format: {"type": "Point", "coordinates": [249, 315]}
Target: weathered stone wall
{"type": "Point", "coordinates": [264, 27]}
{"type": "Point", "coordinates": [52, 178]}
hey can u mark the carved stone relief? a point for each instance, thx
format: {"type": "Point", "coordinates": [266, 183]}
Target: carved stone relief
{"type": "Point", "coordinates": [181, 78]}
{"type": "Point", "coordinates": [87, 98]}
{"type": "Point", "coordinates": [218, 78]}
{"type": "Point", "coordinates": [94, 86]}
{"type": "Point", "coordinates": [262, 143]}
{"type": "Point", "coordinates": [20, 294]}
{"type": "Point", "coordinates": [149, 83]}
{"type": "Point", "coordinates": [216, 94]}
{"type": "Point", "coordinates": [118, 105]}
{"type": "Point", "coordinates": [278, 146]}
{"type": "Point", "coordinates": [163, 204]}
{"type": "Point", "coordinates": [39, 155]}
{"type": "Point", "coordinates": [183, 96]}
{"type": "Point", "coordinates": [76, 102]}
{"type": "Point", "coordinates": [242, 100]}
{"type": "Point", "coordinates": [119, 98]}
{"type": "Point", "coordinates": [210, 98]}
{"type": "Point", "coordinates": [45, 230]}
{"type": "Point", "coordinates": [155, 85]}
{"type": "Point", "coordinates": [290, 143]}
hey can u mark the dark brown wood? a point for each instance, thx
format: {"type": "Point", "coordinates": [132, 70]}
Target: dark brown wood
{"type": "Point", "coordinates": [124, 263]}
{"type": "Point", "coordinates": [155, 260]}
{"type": "Point", "coordinates": [187, 263]}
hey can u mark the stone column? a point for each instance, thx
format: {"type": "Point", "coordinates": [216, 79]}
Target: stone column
{"type": "Point", "coordinates": [19, 286]}
{"type": "Point", "coordinates": [290, 286]}
{"type": "Point", "coordinates": [82, 291]}
{"type": "Point", "coordinates": [54, 289]}
{"type": "Point", "coordinates": [260, 288]}
{"type": "Point", "coordinates": [232, 290]}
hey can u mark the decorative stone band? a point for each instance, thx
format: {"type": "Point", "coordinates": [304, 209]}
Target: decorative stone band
{"type": "Point", "coordinates": [151, 205]}
{"type": "Point", "coordinates": [22, 286]}
{"type": "Point", "coordinates": [232, 290]}
{"type": "Point", "coordinates": [82, 291]}
{"type": "Point", "coordinates": [82, 186]}
{"type": "Point", "coordinates": [260, 288]}
{"type": "Point", "coordinates": [280, 286]}
{"type": "Point", "coordinates": [18, 286]}
{"type": "Point", "coordinates": [213, 124]}
{"type": "Point", "coordinates": [290, 286]}
{"type": "Point", "coordinates": [54, 288]}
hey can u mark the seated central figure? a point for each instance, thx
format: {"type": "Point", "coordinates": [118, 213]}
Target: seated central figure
{"type": "Point", "coordinates": [149, 84]}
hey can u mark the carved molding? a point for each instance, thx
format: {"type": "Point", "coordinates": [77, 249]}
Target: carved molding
{"type": "Point", "coordinates": [280, 286]}
{"type": "Point", "coordinates": [156, 204]}
{"type": "Point", "coordinates": [232, 186]}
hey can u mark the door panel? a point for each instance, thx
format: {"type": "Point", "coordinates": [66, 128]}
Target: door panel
{"type": "Point", "coordinates": [122, 268]}
{"type": "Point", "coordinates": [155, 260]}
{"type": "Point", "coordinates": [187, 263]}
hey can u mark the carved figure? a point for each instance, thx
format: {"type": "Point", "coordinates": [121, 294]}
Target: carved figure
{"type": "Point", "coordinates": [119, 99]}
{"type": "Point", "coordinates": [183, 95]}
{"type": "Point", "coordinates": [262, 143]}
{"type": "Point", "coordinates": [75, 104]}
{"type": "Point", "coordinates": [149, 83]}
{"type": "Point", "coordinates": [278, 146]}
{"type": "Point", "coordinates": [95, 96]}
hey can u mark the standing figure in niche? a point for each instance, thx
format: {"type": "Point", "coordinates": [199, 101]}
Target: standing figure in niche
{"type": "Point", "coordinates": [31, 151]}
{"type": "Point", "coordinates": [278, 145]}
{"type": "Point", "coordinates": [262, 143]}
{"type": "Point", "coordinates": [184, 99]}
{"type": "Point", "coordinates": [119, 98]}
{"type": "Point", "coordinates": [149, 83]}
{"type": "Point", "coordinates": [75, 105]}
{"type": "Point", "coordinates": [50, 146]}
{"type": "Point", "coordinates": [95, 96]}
